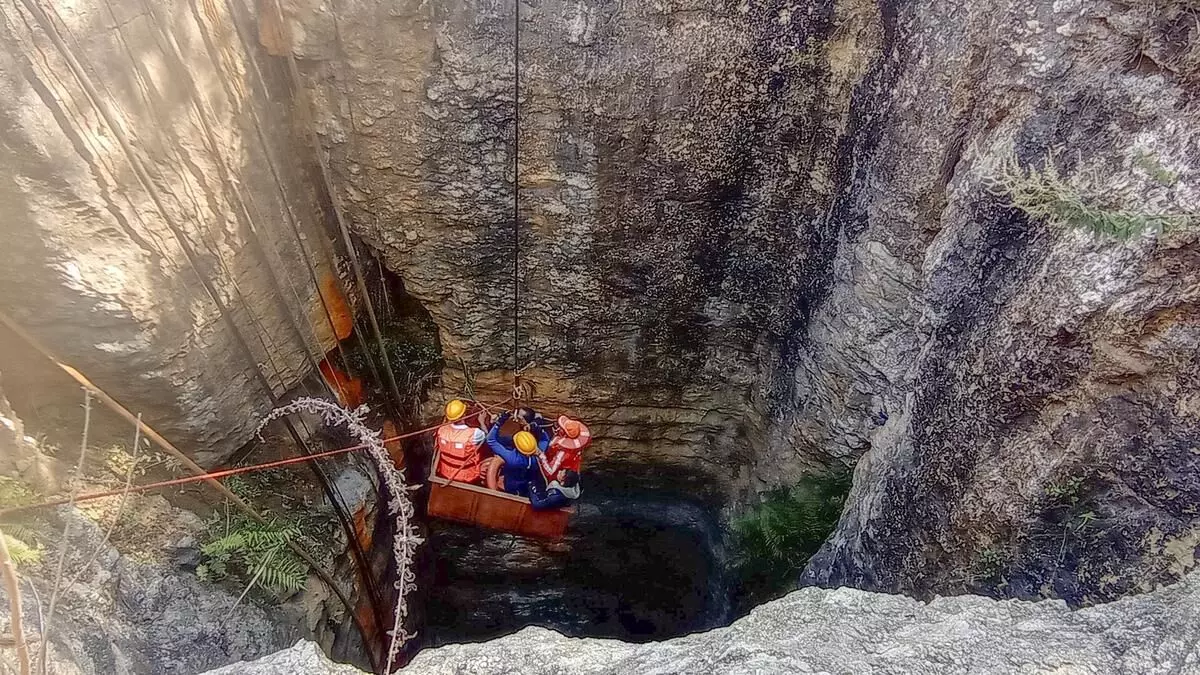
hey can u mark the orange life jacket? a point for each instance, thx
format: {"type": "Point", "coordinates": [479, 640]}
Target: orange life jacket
{"type": "Point", "coordinates": [458, 448]}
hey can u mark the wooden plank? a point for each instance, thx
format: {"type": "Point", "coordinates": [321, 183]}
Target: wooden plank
{"type": "Point", "coordinates": [451, 502]}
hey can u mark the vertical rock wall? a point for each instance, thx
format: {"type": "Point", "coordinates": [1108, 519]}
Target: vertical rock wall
{"type": "Point", "coordinates": [173, 142]}
{"type": "Point", "coordinates": [1023, 395]}
{"type": "Point", "coordinates": [762, 237]}
{"type": "Point", "coordinates": [756, 238]}
{"type": "Point", "coordinates": [674, 160]}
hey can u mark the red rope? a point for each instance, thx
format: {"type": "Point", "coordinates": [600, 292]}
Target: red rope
{"type": "Point", "coordinates": [206, 476]}
{"type": "Point", "coordinates": [226, 472]}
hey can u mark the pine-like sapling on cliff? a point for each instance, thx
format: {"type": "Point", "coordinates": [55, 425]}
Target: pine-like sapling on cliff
{"type": "Point", "coordinates": [1077, 202]}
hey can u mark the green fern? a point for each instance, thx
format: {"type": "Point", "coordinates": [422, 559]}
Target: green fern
{"type": "Point", "coordinates": [242, 487]}
{"type": "Point", "coordinates": [252, 550]}
{"type": "Point", "coordinates": [22, 553]}
{"type": "Point", "coordinates": [774, 541]}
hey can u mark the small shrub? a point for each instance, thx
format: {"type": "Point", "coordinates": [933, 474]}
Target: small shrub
{"type": "Point", "coordinates": [14, 492]}
{"type": "Point", "coordinates": [988, 565]}
{"type": "Point", "coordinates": [408, 359]}
{"type": "Point", "coordinates": [243, 487]}
{"type": "Point", "coordinates": [1044, 194]}
{"type": "Point", "coordinates": [1147, 162]}
{"type": "Point", "coordinates": [1065, 491]}
{"type": "Point", "coordinates": [774, 541]}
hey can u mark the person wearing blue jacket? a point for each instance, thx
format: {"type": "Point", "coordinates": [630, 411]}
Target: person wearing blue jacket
{"type": "Point", "coordinates": [519, 454]}
{"type": "Point", "coordinates": [559, 492]}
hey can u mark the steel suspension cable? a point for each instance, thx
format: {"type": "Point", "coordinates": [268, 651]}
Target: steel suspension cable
{"type": "Point", "coordinates": [516, 233]}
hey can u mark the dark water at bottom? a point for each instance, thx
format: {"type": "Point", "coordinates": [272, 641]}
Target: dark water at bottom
{"type": "Point", "coordinates": [629, 568]}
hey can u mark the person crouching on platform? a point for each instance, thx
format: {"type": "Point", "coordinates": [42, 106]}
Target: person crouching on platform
{"type": "Point", "coordinates": [566, 448]}
{"type": "Point", "coordinates": [559, 491]}
{"type": "Point", "coordinates": [458, 446]}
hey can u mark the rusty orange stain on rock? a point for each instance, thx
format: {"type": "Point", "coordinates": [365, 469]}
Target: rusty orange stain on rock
{"type": "Point", "coordinates": [339, 310]}
{"type": "Point", "coordinates": [362, 529]}
{"type": "Point", "coordinates": [349, 389]}
{"type": "Point", "coordinates": [394, 448]}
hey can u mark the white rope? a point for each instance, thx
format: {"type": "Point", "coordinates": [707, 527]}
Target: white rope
{"type": "Point", "coordinates": [406, 537]}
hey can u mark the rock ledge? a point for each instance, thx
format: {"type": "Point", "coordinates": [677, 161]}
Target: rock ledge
{"type": "Point", "coordinates": [816, 630]}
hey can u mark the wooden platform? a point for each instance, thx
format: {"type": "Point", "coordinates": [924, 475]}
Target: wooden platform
{"type": "Point", "coordinates": [477, 505]}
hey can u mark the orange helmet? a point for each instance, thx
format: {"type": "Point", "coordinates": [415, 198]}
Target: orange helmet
{"type": "Point", "coordinates": [572, 428]}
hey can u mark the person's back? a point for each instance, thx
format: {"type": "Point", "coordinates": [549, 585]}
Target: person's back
{"type": "Point", "coordinates": [520, 459]}
{"type": "Point", "coordinates": [458, 446]}
{"type": "Point", "coordinates": [565, 450]}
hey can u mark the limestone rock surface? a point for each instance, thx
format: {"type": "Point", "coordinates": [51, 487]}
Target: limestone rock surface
{"type": "Point", "coordinates": [165, 161]}
{"type": "Point", "coordinates": [138, 611]}
{"type": "Point", "coordinates": [760, 238]}
{"type": "Point", "coordinates": [848, 631]}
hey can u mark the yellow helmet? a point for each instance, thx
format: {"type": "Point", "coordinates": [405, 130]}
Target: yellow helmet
{"type": "Point", "coordinates": [525, 442]}
{"type": "Point", "coordinates": [455, 409]}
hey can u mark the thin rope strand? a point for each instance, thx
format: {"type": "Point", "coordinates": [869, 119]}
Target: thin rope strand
{"type": "Point", "coordinates": [225, 473]}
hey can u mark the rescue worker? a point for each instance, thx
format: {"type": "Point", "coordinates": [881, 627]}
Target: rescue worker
{"type": "Point", "coordinates": [565, 451]}
{"type": "Point", "coordinates": [557, 493]}
{"type": "Point", "coordinates": [534, 421]}
{"type": "Point", "coordinates": [520, 458]}
{"type": "Point", "coordinates": [458, 445]}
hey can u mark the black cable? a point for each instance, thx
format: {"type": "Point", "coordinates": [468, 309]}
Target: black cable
{"type": "Point", "coordinates": [516, 189]}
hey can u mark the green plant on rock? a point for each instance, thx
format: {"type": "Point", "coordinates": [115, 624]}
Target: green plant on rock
{"type": "Point", "coordinates": [409, 359]}
{"type": "Point", "coordinates": [774, 541]}
{"type": "Point", "coordinates": [1065, 491]}
{"type": "Point", "coordinates": [1147, 162]}
{"type": "Point", "coordinates": [244, 487]}
{"type": "Point", "coordinates": [14, 492]}
{"type": "Point", "coordinates": [256, 552]}
{"type": "Point", "coordinates": [21, 552]}
{"type": "Point", "coordinates": [988, 565]}
{"type": "Point", "coordinates": [1044, 194]}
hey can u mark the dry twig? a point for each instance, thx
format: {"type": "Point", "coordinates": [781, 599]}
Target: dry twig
{"type": "Point", "coordinates": [14, 601]}
{"type": "Point", "coordinates": [66, 533]}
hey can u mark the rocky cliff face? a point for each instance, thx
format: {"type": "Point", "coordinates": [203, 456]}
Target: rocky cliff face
{"type": "Point", "coordinates": [755, 239]}
{"type": "Point", "coordinates": [1033, 388]}
{"type": "Point", "coordinates": [763, 237]}
{"type": "Point", "coordinates": [674, 162]}
{"type": "Point", "coordinates": [848, 631]}
{"type": "Point", "coordinates": [162, 160]}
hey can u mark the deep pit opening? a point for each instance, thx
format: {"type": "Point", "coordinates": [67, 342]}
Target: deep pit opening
{"type": "Point", "coordinates": [637, 564]}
